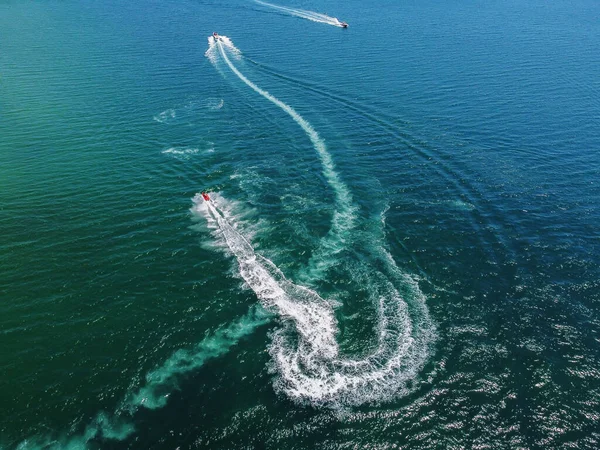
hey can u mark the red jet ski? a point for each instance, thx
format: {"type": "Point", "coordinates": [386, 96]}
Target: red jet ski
{"type": "Point", "coordinates": [205, 197]}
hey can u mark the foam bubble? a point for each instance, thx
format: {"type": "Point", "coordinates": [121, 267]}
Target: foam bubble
{"type": "Point", "coordinates": [166, 116]}
{"type": "Point", "coordinates": [214, 103]}
{"type": "Point", "coordinates": [461, 205]}
{"type": "Point", "coordinates": [180, 152]}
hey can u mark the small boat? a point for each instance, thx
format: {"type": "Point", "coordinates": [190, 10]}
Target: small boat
{"type": "Point", "coordinates": [343, 25]}
{"type": "Point", "coordinates": [205, 197]}
{"type": "Point", "coordinates": [216, 36]}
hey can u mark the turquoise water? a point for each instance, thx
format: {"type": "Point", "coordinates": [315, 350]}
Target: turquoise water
{"type": "Point", "coordinates": [402, 248]}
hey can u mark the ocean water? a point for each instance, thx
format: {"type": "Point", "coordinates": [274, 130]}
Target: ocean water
{"type": "Point", "coordinates": [401, 251]}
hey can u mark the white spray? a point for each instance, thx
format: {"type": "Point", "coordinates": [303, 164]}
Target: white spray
{"type": "Point", "coordinates": [304, 14]}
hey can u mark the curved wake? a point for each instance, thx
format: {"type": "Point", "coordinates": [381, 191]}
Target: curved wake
{"type": "Point", "coordinates": [305, 350]}
{"type": "Point", "coordinates": [344, 214]}
{"type": "Point", "coordinates": [304, 14]}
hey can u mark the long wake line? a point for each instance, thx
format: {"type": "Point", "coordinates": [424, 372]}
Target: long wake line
{"type": "Point", "coordinates": [304, 14]}
{"type": "Point", "coordinates": [304, 350]}
{"type": "Point", "coordinates": [344, 214]}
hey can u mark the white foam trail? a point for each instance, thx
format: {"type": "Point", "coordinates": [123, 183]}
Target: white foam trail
{"type": "Point", "coordinates": [166, 116]}
{"type": "Point", "coordinates": [101, 426]}
{"type": "Point", "coordinates": [160, 383]}
{"type": "Point", "coordinates": [344, 214]}
{"type": "Point", "coordinates": [180, 152]}
{"type": "Point", "coordinates": [305, 351]}
{"type": "Point", "coordinates": [214, 103]}
{"type": "Point", "coordinates": [225, 42]}
{"type": "Point", "coordinates": [304, 14]}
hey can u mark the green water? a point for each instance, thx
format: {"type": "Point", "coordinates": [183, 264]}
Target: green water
{"type": "Point", "coordinates": [402, 249]}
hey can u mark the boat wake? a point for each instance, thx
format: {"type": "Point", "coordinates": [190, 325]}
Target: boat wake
{"type": "Point", "coordinates": [305, 351]}
{"type": "Point", "coordinates": [156, 389]}
{"type": "Point", "coordinates": [344, 215]}
{"type": "Point", "coordinates": [304, 14]}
